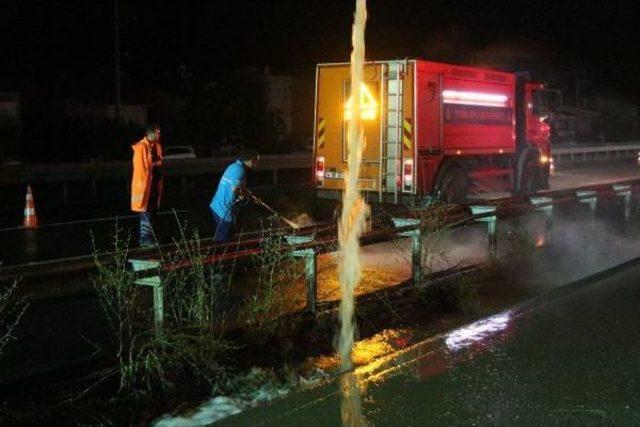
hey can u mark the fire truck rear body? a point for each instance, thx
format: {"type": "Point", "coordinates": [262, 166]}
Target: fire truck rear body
{"type": "Point", "coordinates": [431, 129]}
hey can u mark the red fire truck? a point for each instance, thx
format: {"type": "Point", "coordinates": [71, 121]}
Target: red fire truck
{"type": "Point", "coordinates": [432, 130]}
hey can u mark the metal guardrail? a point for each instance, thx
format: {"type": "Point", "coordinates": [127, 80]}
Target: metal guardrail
{"type": "Point", "coordinates": [121, 169]}
{"type": "Point", "coordinates": [588, 153]}
{"type": "Point", "coordinates": [84, 263]}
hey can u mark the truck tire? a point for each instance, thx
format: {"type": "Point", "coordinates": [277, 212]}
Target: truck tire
{"type": "Point", "coordinates": [453, 185]}
{"type": "Point", "coordinates": [528, 173]}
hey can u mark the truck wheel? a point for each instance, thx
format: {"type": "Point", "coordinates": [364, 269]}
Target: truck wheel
{"type": "Point", "coordinates": [528, 181]}
{"type": "Point", "coordinates": [453, 186]}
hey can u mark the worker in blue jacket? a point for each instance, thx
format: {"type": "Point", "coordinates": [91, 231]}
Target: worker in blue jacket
{"type": "Point", "coordinates": [224, 204]}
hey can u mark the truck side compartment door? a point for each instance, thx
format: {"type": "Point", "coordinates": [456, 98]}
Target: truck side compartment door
{"type": "Point", "coordinates": [429, 107]}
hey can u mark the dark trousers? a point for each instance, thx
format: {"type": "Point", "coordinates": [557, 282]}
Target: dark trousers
{"type": "Point", "coordinates": [223, 227]}
{"type": "Point", "coordinates": [146, 229]}
{"type": "Point", "coordinates": [147, 236]}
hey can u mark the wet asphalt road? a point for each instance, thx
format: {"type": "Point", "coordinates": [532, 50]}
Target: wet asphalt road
{"type": "Point", "coordinates": [570, 358]}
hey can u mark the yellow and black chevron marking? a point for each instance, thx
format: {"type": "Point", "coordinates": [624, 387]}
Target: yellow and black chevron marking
{"type": "Point", "coordinates": [406, 133]}
{"type": "Point", "coordinates": [321, 125]}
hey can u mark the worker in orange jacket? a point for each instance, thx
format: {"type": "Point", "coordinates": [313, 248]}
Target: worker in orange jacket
{"type": "Point", "coordinates": [146, 182]}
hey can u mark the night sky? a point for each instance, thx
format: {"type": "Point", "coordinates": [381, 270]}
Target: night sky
{"type": "Point", "coordinates": [68, 45]}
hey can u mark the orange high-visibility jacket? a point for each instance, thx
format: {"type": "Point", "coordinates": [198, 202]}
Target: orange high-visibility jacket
{"type": "Point", "coordinates": [143, 174]}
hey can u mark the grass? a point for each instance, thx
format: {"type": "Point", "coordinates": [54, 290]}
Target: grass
{"type": "Point", "coordinates": [195, 295]}
{"type": "Point", "coordinates": [197, 307]}
{"type": "Point", "coordinates": [117, 293]}
{"type": "Point", "coordinates": [276, 273]}
{"type": "Point", "coordinates": [191, 344]}
{"type": "Point", "coordinates": [12, 308]}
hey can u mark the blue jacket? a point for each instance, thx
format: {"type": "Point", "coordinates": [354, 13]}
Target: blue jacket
{"type": "Point", "coordinates": [223, 202]}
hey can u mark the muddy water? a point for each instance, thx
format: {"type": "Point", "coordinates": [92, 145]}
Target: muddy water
{"type": "Point", "coordinates": [567, 359]}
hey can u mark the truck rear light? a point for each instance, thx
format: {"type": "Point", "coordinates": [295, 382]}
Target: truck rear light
{"type": "Point", "coordinates": [320, 170]}
{"type": "Point", "coordinates": [407, 174]}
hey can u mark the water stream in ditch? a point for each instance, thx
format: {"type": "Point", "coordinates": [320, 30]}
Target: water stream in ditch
{"type": "Point", "coordinates": [351, 226]}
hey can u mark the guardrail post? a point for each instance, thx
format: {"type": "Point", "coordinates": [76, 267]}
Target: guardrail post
{"type": "Point", "coordinates": [416, 257]}
{"type": "Point", "coordinates": [624, 191]}
{"type": "Point", "coordinates": [543, 204]}
{"type": "Point", "coordinates": [158, 307]}
{"type": "Point", "coordinates": [416, 245]}
{"type": "Point", "coordinates": [492, 226]}
{"type": "Point", "coordinates": [155, 283]}
{"type": "Point", "coordinates": [589, 197]}
{"type": "Point", "coordinates": [310, 269]}
{"type": "Point", "coordinates": [310, 274]}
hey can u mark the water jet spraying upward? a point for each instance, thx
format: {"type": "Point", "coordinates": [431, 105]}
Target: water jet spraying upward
{"type": "Point", "coordinates": [352, 224]}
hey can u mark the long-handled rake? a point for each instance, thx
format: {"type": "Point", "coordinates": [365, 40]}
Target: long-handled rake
{"type": "Point", "coordinates": [260, 202]}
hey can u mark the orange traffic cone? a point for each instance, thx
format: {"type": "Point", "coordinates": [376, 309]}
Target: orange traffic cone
{"type": "Point", "coordinates": [30, 218]}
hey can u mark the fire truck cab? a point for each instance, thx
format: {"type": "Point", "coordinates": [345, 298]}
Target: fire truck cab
{"type": "Point", "coordinates": [433, 131]}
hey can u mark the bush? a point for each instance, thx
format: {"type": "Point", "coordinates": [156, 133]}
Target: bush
{"type": "Point", "coordinates": [435, 227]}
